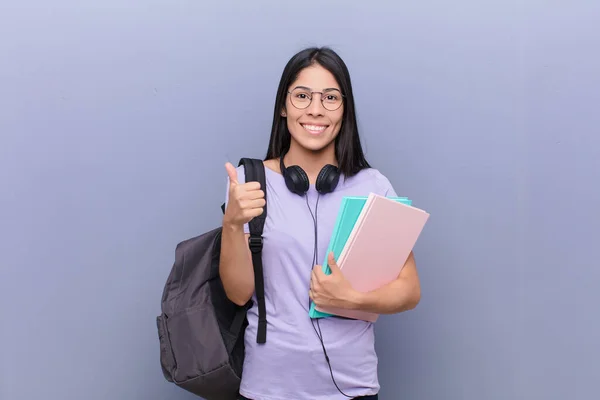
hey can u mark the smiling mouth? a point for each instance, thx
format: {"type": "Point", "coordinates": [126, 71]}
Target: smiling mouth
{"type": "Point", "coordinates": [314, 129]}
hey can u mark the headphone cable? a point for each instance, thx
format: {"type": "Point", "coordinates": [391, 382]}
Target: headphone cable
{"type": "Point", "coordinates": [315, 258]}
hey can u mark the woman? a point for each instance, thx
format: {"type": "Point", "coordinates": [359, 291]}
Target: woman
{"type": "Point", "coordinates": [315, 130]}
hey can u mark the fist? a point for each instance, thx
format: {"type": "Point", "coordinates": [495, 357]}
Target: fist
{"type": "Point", "coordinates": [246, 200]}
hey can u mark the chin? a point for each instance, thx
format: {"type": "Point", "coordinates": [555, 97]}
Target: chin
{"type": "Point", "coordinates": [316, 144]}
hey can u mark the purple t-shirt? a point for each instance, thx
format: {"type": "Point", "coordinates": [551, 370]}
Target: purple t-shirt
{"type": "Point", "coordinates": [291, 364]}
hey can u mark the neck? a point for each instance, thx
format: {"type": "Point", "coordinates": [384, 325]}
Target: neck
{"type": "Point", "coordinates": [310, 161]}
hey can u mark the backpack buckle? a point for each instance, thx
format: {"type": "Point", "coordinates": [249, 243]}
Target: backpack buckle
{"type": "Point", "coordinates": [255, 243]}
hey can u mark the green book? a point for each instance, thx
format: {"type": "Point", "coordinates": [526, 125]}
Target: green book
{"type": "Point", "coordinates": [348, 214]}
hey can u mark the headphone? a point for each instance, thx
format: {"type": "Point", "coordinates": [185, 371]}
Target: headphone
{"type": "Point", "coordinates": [297, 181]}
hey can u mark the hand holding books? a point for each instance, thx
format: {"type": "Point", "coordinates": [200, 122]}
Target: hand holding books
{"type": "Point", "coordinates": [331, 290]}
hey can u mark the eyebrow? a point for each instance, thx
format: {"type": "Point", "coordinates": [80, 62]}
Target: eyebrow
{"type": "Point", "coordinates": [310, 89]}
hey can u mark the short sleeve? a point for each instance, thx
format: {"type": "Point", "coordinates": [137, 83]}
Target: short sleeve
{"type": "Point", "coordinates": [387, 189]}
{"type": "Point", "coordinates": [241, 179]}
{"type": "Point", "coordinates": [390, 192]}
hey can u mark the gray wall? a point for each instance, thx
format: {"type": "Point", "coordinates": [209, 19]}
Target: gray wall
{"type": "Point", "coordinates": [117, 117]}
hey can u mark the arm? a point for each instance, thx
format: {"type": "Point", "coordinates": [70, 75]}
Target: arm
{"type": "Point", "coordinates": [235, 268]}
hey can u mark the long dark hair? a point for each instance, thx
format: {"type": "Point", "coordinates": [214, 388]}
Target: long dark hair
{"type": "Point", "coordinates": [348, 149]}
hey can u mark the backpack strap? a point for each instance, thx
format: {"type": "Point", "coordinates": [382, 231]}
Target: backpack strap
{"type": "Point", "coordinates": [255, 171]}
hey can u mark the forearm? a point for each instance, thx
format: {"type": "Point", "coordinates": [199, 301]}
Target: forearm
{"type": "Point", "coordinates": [400, 295]}
{"type": "Point", "coordinates": [235, 266]}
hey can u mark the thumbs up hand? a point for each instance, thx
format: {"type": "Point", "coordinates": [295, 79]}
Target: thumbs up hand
{"type": "Point", "coordinates": [246, 200]}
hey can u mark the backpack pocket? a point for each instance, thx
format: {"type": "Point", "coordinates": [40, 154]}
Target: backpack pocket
{"type": "Point", "coordinates": [167, 361]}
{"type": "Point", "coordinates": [196, 343]}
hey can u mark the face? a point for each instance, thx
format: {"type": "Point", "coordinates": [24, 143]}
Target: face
{"type": "Point", "coordinates": [314, 124]}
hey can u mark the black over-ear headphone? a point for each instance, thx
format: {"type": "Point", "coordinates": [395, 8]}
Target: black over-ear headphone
{"type": "Point", "coordinates": [297, 181]}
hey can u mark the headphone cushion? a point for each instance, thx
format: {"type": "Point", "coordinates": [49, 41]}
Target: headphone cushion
{"type": "Point", "coordinates": [296, 180]}
{"type": "Point", "coordinates": [328, 179]}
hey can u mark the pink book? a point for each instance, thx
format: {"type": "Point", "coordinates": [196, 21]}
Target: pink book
{"type": "Point", "coordinates": [384, 235]}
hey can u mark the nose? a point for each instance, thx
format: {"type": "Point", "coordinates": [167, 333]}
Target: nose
{"type": "Point", "coordinates": [315, 107]}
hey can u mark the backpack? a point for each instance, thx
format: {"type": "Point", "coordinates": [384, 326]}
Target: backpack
{"type": "Point", "coordinates": [201, 332]}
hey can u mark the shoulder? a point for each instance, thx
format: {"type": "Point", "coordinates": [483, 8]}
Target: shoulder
{"type": "Point", "coordinates": [374, 179]}
{"type": "Point", "coordinates": [272, 164]}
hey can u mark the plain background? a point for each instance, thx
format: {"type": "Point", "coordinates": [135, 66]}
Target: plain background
{"type": "Point", "coordinates": [116, 118]}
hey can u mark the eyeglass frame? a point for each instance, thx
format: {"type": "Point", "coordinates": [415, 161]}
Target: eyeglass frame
{"type": "Point", "coordinates": [312, 92]}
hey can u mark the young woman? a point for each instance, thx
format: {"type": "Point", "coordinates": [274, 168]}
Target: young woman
{"type": "Point", "coordinates": [314, 131]}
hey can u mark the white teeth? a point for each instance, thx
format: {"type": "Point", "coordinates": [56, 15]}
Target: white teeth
{"type": "Point", "coordinates": [314, 128]}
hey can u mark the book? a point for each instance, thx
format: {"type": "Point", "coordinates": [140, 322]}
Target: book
{"type": "Point", "coordinates": [379, 244]}
{"type": "Point", "coordinates": [348, 214]}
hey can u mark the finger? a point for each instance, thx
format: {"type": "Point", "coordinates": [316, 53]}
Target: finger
{"type": "Point", "coordinates": [251, 204]}
{"type": "Point", "coordinates": [313, 292]}
{"type": "Point", "coordinates": [315, 272]}
{"type": "Point", "coordinates": [253, 212]}
{"type": "Point", "coordinates": [332, 263]}
{"type": "Point", "coordinates": [254, 194]}
{"type": "Point", "coordinates": [232, 173]}
{"type": "Point", "coordinates": [251, 186]}
{"type": "Point", "coordinates": [314, 275]}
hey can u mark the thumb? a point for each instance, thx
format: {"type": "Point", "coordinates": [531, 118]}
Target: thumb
{"type": "Point", "coordinates": [332, 263]}
{"type": "Point", "coordinates": [232, 172]}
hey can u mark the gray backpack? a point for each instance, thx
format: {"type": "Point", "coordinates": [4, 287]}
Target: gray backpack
{"type": "Point", "coordinates": [201, 332]}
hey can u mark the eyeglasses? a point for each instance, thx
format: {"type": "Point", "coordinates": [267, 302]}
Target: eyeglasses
{"type": "Point", "coordinates": [301, 98]}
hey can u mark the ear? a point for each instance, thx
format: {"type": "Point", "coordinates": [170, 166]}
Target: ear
{"type": "Point", "coordinates": [283, 113]}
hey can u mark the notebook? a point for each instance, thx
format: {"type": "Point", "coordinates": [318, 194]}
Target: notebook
{"type": "Point", "coordinates": [349, 211]}
{"type": "Point", "coordinates": [377, 248]}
